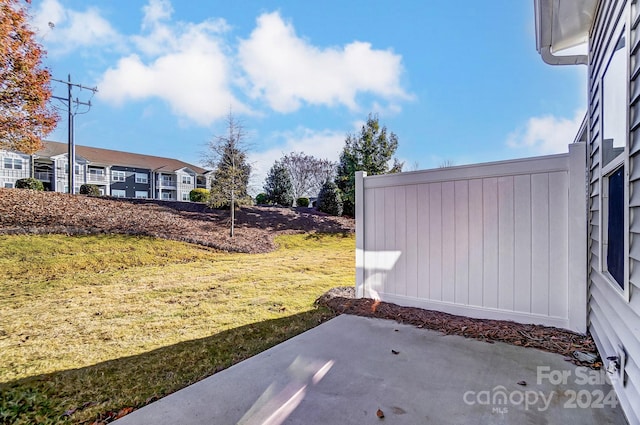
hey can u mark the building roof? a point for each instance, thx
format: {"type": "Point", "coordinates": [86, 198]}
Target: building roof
{"type": "Point", "coordinates": [111, 157]}
{"type": "Point", "coordinates": [562, 25]}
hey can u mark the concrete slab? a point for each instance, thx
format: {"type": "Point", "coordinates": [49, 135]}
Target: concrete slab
{"type": "Point", "coordinates": [343, 371]}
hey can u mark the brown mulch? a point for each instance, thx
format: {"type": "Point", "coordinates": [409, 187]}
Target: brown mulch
{"type": "Point", "coordinates": [31, 212]}
{"type": "Point", "coordinates": [553, 340]}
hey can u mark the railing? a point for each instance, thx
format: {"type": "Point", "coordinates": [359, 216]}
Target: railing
{"type": "Point", "coordinates": [96, 177]}
{"type": "Point", "coordinates": [43, 176]}
{"type": "Point", "coordinates": [166, 183]}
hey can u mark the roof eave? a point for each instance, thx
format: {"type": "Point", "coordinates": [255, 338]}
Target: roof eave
{"type": "Point", "coordinates": [546, 37]}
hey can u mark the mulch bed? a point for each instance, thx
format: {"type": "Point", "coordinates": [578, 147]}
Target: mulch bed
{"type": "Point", "coordinates": [30, 212]}
{"type": "Point", "coordinates": [553, 340]}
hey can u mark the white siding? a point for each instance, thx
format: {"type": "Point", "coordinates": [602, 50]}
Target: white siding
{"type": "Point", "coordinates": [488, 240]}
{"type": "Point", "coordinates": [614, 322]}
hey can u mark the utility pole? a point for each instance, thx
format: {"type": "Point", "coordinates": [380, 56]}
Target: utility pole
{"type": "Point", "coordinates": [70, 117]}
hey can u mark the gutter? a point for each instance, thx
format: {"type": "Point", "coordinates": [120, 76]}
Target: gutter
{"type": "Point", "coordinates": [544, 30]}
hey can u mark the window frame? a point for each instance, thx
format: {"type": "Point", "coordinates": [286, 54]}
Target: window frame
{"type": "Point", "coordinates": [118, 193]}
{"type": "Point", "coordinates": [187, 179]}
{"type": "Point", "coordinates": [612, 166]}
{"type": "Point", "coordinates": [118, 176]}
{"type": "Point", "coordinates": [139, 192]}
{"type": "Point", "coordinates": [15, 163]}
{"type": "Point", "coordinates": [142, 178]}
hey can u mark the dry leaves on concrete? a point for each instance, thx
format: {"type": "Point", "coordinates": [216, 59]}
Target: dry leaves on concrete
{"type": "Point", "coordinates": [546, 338]}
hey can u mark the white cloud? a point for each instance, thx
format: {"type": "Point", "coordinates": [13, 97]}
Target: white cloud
{"type": "Point", "coordinates": [156, 11]}
{"type": "Point", "coordinates": [546, 134]}
{"type": "Point", "coordinates": [182, 64]}
{"type": "Point", "coordinates": [63, 30]}
{"type": "Point", "coordinates": [324, 144]}
{"type": "Point", "coordinates": [287, 71]}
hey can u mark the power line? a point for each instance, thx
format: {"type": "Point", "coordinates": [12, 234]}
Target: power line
{"type": "Point", "coordinates": [70, 115]}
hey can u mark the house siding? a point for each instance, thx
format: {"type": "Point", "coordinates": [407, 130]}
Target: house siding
{"type": "Point", "coordinates": [129, 185]}
{"type": "Point", "coordinates": [614, 321]}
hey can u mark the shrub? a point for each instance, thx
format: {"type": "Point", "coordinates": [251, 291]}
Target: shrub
{"type": "Point", "coordinates": [278, 186]}
{"type": "Point", "coordinates": [329, 199]}
{"type": "Point", "coordinates": [261, 199]}
{"type": "Point", "coordinates": [29, 183]}
{"type": "Point", "coordinates": [89, 190]}
{"type": "Point", "coordinates": [302, 202]}
{"type": "Point", "coordinates": [199, 195]}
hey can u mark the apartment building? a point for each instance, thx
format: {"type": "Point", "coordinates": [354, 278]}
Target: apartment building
{"type": "Point", "coordinates": [116, 173]}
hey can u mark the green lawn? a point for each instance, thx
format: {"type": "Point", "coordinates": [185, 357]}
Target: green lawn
{"type": "Point", "coordinates": [99, 323]}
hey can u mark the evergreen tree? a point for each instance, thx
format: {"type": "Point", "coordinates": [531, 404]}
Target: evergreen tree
{"type": "Point", "coordinates": [329, 199]}
{"type": "Point", "coordinates": [228, 156]}
{"type": "Point", "coordinates": [372, 150]}
{"type": "Point", "coordinates": [278, 186]}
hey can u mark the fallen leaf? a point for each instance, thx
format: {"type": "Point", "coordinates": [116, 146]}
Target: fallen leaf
{"type": "Point", "coordinates": [380, 414]}
{"type": "Point", "coordinates": [395, 352]}
{"type": "Point", "coordinates": [523, 383]}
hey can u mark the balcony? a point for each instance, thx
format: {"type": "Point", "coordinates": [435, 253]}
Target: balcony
{"type": "Point", "coordinates": [96, 178]}
{"type": "Point", "coordinates": [43, 176]}
{"type": "Point", "coordinates": [166, 184]}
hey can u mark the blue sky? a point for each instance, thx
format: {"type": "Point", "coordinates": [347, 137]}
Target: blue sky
{"type": "Point", "coordinates": [456, 81]}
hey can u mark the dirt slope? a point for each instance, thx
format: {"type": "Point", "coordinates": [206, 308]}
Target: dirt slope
{"type": "Point", "coordinates": [27, 211]}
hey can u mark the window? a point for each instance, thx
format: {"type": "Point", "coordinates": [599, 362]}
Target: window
{"type": "Point", "coordinates": [8, 185]}
{"type": "Point", "coordinates": [614, 238]}
{"type": "Point", "coordinates": [142, 178]}
{"type": "Point", "coordinates": [167, 181]}
{"type": "Point", "coordinates": [142, 194]}
{"type": "Point", "coordinates": [118, 176]}
{"type": "Point", "coordinates": [76, 168]}
{"type": "Point", "coordinates": [166, 195]}
{"type": "Point", "coordinates": [13, 163]}
{"type": "Point", "coordinates": [118, 193]}
{"type": "Point", "coordinates": [185, 196]}
{"type": "Point", "coordinates": [614, 103]}
{"type": "Point", "coordinates": [615, 133]}
{"type": "Point", "coordinates": [186, 179]}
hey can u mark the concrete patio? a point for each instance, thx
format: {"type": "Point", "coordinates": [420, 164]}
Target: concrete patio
{"type": "Point", "coordinates": [343, 371]}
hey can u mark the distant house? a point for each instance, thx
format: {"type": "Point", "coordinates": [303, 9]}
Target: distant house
{"type": "Point", "coordinates": [118, 174]}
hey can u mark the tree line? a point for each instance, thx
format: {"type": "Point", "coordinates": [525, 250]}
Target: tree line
{"type": "Point", "coordinates": [296, 176]}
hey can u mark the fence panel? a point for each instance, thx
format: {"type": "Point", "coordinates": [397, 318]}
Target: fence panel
{"type": "Point", "coordinates": [486, 240]}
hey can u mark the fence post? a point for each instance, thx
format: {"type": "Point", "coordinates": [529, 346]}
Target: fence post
{"type": "Point", "coordinates": [577, 225]}
{"type": "Point", "coordinates": [360, 236]}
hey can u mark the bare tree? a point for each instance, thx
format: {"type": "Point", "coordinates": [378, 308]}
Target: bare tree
{"type": "Point", "coordinates": [227, 155]}
{"type": "Point", "coordinates": [307, 173]}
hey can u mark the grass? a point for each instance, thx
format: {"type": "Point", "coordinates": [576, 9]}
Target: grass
{"type": "Point", "coordinates": [93, 324]}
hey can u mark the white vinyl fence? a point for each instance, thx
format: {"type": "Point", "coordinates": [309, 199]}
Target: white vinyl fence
{"type": "Point", "coordinates": [502, 240]}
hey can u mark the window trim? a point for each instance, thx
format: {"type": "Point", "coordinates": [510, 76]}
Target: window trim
{"type": "Point", "coordinates": [118, 176]}
{"type": "Point", "coordinates": [116, 193]}
{"type": "Point", "coordinates": [14, 162]}
{"type": "Point", "coordinates": [142, 178]}
{"type": "Point", "coordinates": [606, 170]}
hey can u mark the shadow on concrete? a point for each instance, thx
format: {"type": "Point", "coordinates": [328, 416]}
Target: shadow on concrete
{"type": "Point", "coordinates": [134, 381]}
